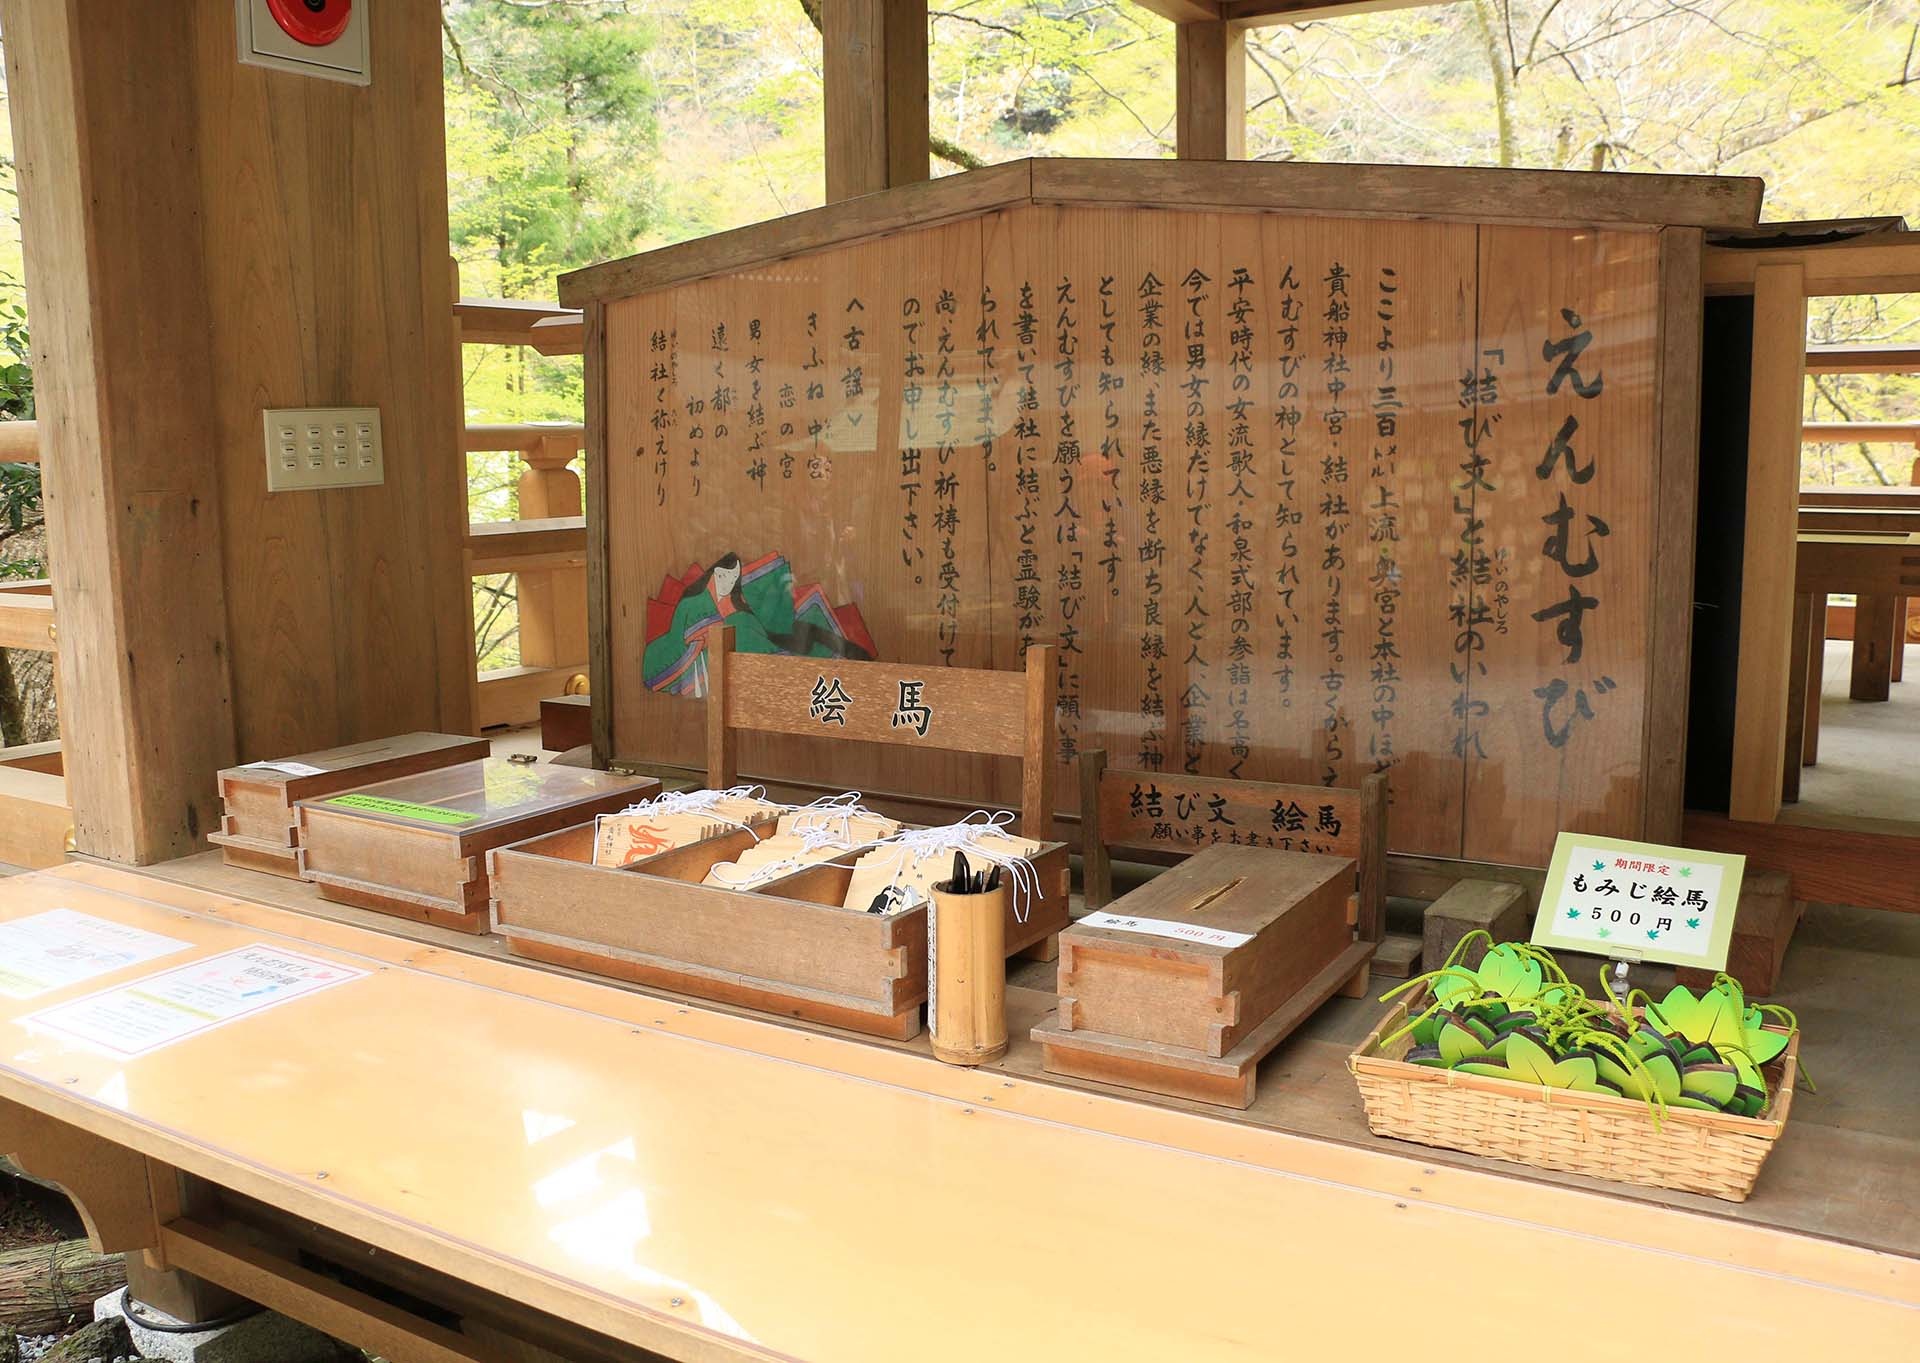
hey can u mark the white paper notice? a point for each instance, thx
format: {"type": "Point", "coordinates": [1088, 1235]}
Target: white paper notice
{"type": "Point", "coordinates": [136, 1018]}
{"type": "Point", "coordinates": [1161, 927]}
{"type": "Point", "coordinates": [47, 951]}
{"type": "Point", "coordinates": [292, 768]}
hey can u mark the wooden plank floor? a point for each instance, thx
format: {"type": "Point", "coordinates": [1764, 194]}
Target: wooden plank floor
{"type": "Point", "coordinates": [1847, 1169]}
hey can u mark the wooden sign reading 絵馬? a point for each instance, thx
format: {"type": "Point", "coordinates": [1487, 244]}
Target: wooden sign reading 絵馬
{"type": "Point", "coordinates": [1292, 498]}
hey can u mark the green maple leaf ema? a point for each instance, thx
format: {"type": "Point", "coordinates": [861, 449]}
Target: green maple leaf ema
{"type": "Point", "coordinates": [1652, 933]}
{"type": "Point", "coordinates": [1693, 922]}
{"type": "Point", "coordinates": [1599, 865]}
{"type": "Point", "coordinates": [1685, 871]}
{"type": "Point", "coordinates": [1573, 913]}
{"type": "Point", "coordinates": [1605, 932]}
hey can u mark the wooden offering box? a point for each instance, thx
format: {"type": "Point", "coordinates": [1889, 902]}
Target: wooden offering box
{"type": "Point", "coordinates": [259, 829]}
{"type": "Point", "coordinates": [1235, 948]}
{"type": "Point", "coordinates": [788, 947]}
{"type": "Point", "coordinates": [414, 846]}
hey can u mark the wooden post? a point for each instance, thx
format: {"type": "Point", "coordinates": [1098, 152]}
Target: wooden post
{"type": "Point", "coordinates": [1874, 641]}
{"type": "Point", "coordinates": [723, 758]}
{"type": "Point", "coordinates": [1043, 728]}
{"type": "Point", "coordinates": [1096, 867]}
{"type": "Point", "coordinates": [553, 600]}
{"type": "Point", "coordinates": [875, 72]}
{"type": "Point", "coordinates": [1210, 91]}
{"type": "Point", "coordinates": [112, 227]}
{"type": "Point", "coordinates": [1767, 574]}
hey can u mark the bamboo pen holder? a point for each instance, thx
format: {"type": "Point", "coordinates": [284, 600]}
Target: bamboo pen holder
{"type": "Point", "coordinates": [967, 975]}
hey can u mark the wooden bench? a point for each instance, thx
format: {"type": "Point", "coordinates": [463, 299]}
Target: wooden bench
{"type": "Point", "coordinates": [1196, 976]}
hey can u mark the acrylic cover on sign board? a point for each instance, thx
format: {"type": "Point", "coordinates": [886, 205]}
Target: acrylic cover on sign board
{"type": "Point", "coordinates": [768, 611]}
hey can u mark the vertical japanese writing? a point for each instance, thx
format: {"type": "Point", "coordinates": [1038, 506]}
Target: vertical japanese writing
{"type": "Point", "coordinates": [1287, 516]}
{"type": "Point", "coordinates": [1152, 488]}
{"type": "Point", "coordinates": [1383, 526]}
{"type": "Point", "coordinates": [1026, 470]}
{"type": "Point", "coordinates": [1240, 522]}
{"type": "Point", "coordinates": [756, 405]}
{"type": "Point", "coordinates": [720, 403]}
{"type": "Point", "coordinates": [1470, 571]}
{"type": "Point", "coordinates": [1198, 439]}
{"type": "Point", "coordinates": [815, 390]}
{"type": "Point", "coordinates": [1067, 457]}
{"type": "Point", "coordinates": [695, 405]}
{"type": "Point", "coordinates": [986, 383]}
{"type": "Point", "coordinates": [1573, 537]}
{"type": "Point", "coordinates": [663, 357]}
{"type": "Point", "coordinates": [1110, 382]}
{"type": "Point", "coordinates": [946, 475]}
{"type": "Point", "coordinates": [913, 554]}
{"type": "Point", "coordinates": [1335, 518]}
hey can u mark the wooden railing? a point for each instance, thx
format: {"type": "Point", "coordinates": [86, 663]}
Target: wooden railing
{"type": "Point", "coordinates": [36, 825]}
{"type": "Point", "coordinates": [547, 551]}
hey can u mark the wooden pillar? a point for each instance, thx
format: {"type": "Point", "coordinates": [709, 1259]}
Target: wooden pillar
{"type": "Point", "coordinates": [553, 600]}
{"type": "Point", "coordinates": [109, 180]}
{"type": "Point", "coordinates": [875, 71]}
{"type": "Point", "coordinates": [1210, 91]}
{"type": "Point", "coordinates": [1768, 558]}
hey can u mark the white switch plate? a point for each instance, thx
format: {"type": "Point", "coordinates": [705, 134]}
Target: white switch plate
{"type": "Point", "coordinates": [315, 447]}
{"type": "Point", "coordinates": [264, 43]}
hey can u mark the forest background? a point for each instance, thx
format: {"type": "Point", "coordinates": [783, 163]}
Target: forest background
{"type": "Point", "coordinates": [579, 130]}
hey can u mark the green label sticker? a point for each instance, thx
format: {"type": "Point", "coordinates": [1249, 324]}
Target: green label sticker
{"type": "Point", "coordinates": [403, 809]}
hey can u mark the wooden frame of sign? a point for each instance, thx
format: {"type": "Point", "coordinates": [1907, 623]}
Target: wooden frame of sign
{"type": "Point", "coordinates": [788, 947]}
{"type": "Point", "coordinates": [837, 405]}
{"type": "Point", "coordinates": [1294, 873]}
{"type": "Point", "coordinates": [415, 847]}
{"type": "Point", "coordinates": [259, 829]}
{"type": "Point", "coordinates": [950, 709]}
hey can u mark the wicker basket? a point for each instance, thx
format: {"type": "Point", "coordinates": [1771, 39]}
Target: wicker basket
{"type": "Point", "coordinates": [1597, 1134]}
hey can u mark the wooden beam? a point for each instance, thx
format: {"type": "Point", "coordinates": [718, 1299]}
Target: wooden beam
{"type": "Point", "coordinates": [1831, 864]}
{"type": "Point", "coordinates": [1210, 92]}
{"type": "Point", "coordinates": [1671, 616]}
{"type": "Point", "coordinates": [1183, 11]}
{"type": "Point", "coordinates": [115, 248]}
{"type": "Point", "coordinates": [1868, 432]}
{"type": "Point", "coordinates": [520, 437]}
{"type": "Point", "coordinates": [26, 621]}
{"type": "Point", "coordinates": [35, 821]}
{"type": "Point", "coordinates": [1884, 262]}
{"type": "Point", "coordinates": [19, 442]}
{"type": "Point", "coordinates": [1768, 558]}
{"type": "Point", "coordinates": [1254, 13]}
{"type": "Point", "coordinates": [875, 71]}
{"type": "Point", "coordinates": [1853, 359]}
{"type": "Point", "coordinates": [506, 321]}
{"type": "Point", "coordinates": [1441, 193]}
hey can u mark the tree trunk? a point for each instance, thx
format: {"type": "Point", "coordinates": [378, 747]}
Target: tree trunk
{"type": "Point", "coordinates": [45, 1289]}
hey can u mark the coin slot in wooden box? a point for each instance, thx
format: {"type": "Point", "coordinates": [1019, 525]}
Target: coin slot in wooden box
{"type": "Point", "coordinates": [788, 946]}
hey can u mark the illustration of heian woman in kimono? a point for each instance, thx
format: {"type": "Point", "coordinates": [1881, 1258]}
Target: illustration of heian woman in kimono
{"type": "Point", "coordinates": [767, 610]}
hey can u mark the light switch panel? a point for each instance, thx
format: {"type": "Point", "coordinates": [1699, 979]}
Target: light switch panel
{"type": "Point", "coordinates": [316, 447]}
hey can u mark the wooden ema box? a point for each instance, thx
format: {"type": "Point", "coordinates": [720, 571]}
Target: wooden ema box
{"type": "Point", "coordinates": [1191, 1016]}
{"type": "Point", "coordinates": [414, 846]}
{"type": "Point", "coordinates": [258, 827]}
{"type": "Point", "coordinates": [789, 947]}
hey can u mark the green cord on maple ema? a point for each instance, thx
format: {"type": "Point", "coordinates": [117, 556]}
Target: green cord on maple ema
{"type": "Point", "coordinates": [1517, 1016]}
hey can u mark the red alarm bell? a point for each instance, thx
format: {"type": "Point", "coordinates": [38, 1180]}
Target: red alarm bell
{"type": "Point", "coordinates": [313, 22]}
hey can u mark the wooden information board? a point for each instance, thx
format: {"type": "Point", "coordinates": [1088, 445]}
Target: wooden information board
{"type": "Point", "coordinates": [1294, 498]}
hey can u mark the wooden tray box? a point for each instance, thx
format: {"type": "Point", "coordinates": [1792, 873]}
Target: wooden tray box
{"type": "Point", "coordinates": [788, 947]}
{"type": "Point", "coordinates": [259, 828]}
{"type": "Point", "coordinates": [422, 856]}
{"type": "Point", "coordinates": [1190, 1018]}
